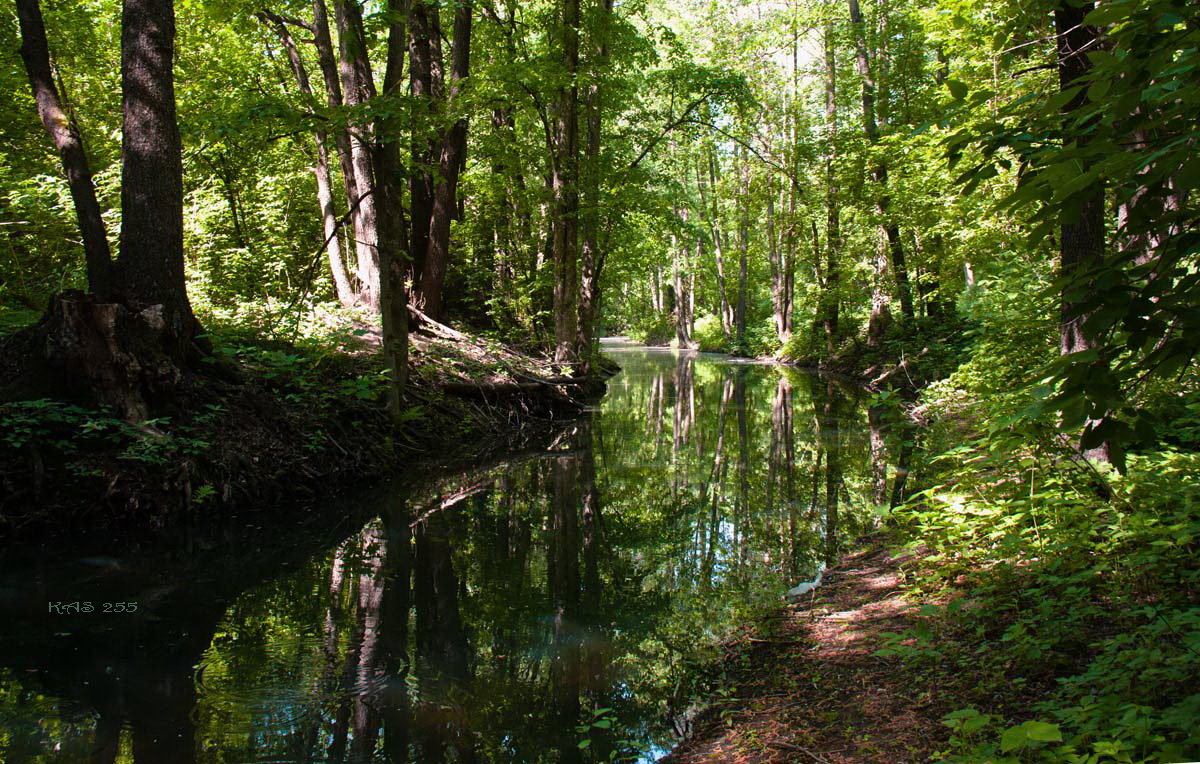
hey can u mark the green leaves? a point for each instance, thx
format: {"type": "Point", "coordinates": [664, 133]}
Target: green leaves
{"type": "Point", "coordinates": [1028, 735]}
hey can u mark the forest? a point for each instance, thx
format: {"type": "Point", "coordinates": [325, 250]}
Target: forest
{"type": "Point", "coordinates": [580, 331]}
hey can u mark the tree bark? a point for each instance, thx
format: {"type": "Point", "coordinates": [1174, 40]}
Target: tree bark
{"type": "Point", "coordinates": [724, 306]}
{"type": "Point", "coordinates": [739, 316]}
{"type": "Point", "coordinates": [333, 96]}
{"type": "Point", "coordinates": [333, 250]}
{"type": "Point", "coordinates": [679, 283]}
{"type": "Point", "coordinates": [390, 234]}
{"type": "Point", "coordinates": [35, 52]}
{"type": "Point", "coordinates": [833, 235]}
{"type": "Point", "coordinates": [1081, 237]}
{"type": "Point", "coordinates": [358, 87]}
{"type": "Point", "coordinates": [781, 297]}
{"type": "Point", "coordinates": [591, 262]}
{"type": "Point", "coordinates": [891, 229]}
{"type": "Point", "coordinates": [565, 183]}
{"type": "Point", "coordinates": [453, 154]}
{"type": "Point", "coordinates": [423, 30]}
{"type": "Point", "coordinates": [150, 266]}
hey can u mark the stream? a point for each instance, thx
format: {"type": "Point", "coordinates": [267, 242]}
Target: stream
{"type": "Point", "coordinates": [564, 606]}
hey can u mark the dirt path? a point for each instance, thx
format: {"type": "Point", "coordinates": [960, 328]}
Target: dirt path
{"type": "Point", "coordinates": [808, 687]}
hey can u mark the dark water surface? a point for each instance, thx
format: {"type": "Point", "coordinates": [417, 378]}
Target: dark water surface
{"type": "Point", "coordinates": [559, 607]}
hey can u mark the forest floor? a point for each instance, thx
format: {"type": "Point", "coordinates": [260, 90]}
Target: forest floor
{"type": "Point", "coordinates": [293, 421]}
{"type": "Point", "coordinates": [807, 685]}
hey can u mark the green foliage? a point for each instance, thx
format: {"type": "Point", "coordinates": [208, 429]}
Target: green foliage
{"type": "Point", "coordinates": [1090, 602]}
{"type": "Point", "coordinates": [64, 433]}
{"type": "Point", "coordinates": [1129, 124]}
{"type": "Point", "coordinates": [653, 330]}
{"type": "Point", "coordinates": [710, 337]}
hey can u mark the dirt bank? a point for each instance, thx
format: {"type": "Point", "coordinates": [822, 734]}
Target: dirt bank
{"type": "Point", "coordinates": [291, 423]}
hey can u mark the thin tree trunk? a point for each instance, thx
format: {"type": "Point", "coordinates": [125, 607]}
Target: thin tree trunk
{"type": "Point", "coordinates": [739, 317]}
{"type": "Point", "coordinates": [891, 228]}
{"type": "Point", "coordinates": [780, 299]}
{"type": "Point", "coordinates": [333, 250]}
{"type": "Point", "coordinates": [679, 282]}
{"type": "Point", "coordinates": [833, 235]}
{"type": "Point", "coordinates": [333, 95]}
{"type": "Point", "coordinates": [453, 153]}
{"type": "Point", "coordinates": [358, 87]}
{"type": "Point", "coordinates": [726, 307]}
{"type": "Point", "coordinates": [35, 52]}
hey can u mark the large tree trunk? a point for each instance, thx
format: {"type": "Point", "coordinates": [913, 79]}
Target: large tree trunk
{"type": "Point", "coordinates": [150, 268]}
{"type": "Point", "coordinates": [592, 259]}
{"type": "Point", "coordinates": [390, 240]}
{"type": "Point", "coordinates": [35, 52]}
{"type": "Point", "coordinates": [358, 86]}
{"type": "Point", "coordinates": [115, 355]}
{"type": "Point", "coordinates": [126, 347]}
{"type": "Point", "coordinates": [566, 195]}
{"type": "Point", "coordinates": [453, 153]}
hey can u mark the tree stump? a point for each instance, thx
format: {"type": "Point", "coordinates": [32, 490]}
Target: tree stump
{"type": "Point", "coordinates": [113, 354]}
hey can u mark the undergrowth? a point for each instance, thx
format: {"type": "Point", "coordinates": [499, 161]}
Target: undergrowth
{"type": "Point", "coordinates": [1074, 618]}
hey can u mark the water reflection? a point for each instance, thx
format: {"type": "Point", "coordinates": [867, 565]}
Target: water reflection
{"type": "Point", "coordinates": [559, 609]}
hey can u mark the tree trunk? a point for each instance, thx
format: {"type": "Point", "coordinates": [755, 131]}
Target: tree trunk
{"type": "Point", "coordinates": [424, 28]}
{"type": "Point", "coordinates": [592, 259]}
{"type": "Point", "coordinates": [390, 235]}
{"type": "Point", "coordinates": [725, 307]}
{"type": "Point", "coordinates": [358, 87]}
{"type": "Point", "coordinates": [780, 277]}
{"type": "Point", "coordinates": [1081, 236]}
{"type": "Point", "coordinates": [333, 250]}
{"type": "Point", "coordinates": [833, 234]}
{"type": "Point", "coordinates": [150, 267]}
{"type": "Point", "coordinates": [739, 316]}
{"type": "Point", "coordinates": [35, 52]}
{"type": "Point", "coordinates": [333, 93]}
{"type": "Point", "coordinates": [453, 153]}
{"type": "Point", "coordinates": [891, 229]}
{"type": "Point", "coordinates": [679, 284]}
{"type": "Point", "coordinates": [566, 195]}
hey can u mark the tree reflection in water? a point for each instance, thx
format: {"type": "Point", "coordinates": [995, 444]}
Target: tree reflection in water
{"type": "Point", "coordinates": [562, 608]}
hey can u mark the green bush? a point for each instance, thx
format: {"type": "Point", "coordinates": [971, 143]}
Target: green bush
{"type": "Point", "coordinates": [653, 329]}
{"type": "Point", "coordinates": [710, 337]}
{"type": "Point", "coordinates": [1092, 601]}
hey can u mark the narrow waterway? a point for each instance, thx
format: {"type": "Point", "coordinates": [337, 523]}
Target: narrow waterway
{"type": "Point", "coordinates": [561, 607]}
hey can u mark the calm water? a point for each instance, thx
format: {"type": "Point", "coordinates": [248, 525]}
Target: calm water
{"type": "Point", "coordinates": [561, 607]}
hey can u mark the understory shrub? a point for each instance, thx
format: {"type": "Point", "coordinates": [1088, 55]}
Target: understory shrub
{"type": "Point", "coordinates": [1079, 615]}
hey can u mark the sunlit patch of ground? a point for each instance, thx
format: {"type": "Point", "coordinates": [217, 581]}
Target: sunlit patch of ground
{"type": "Point", "coordinates": [814, 690]}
